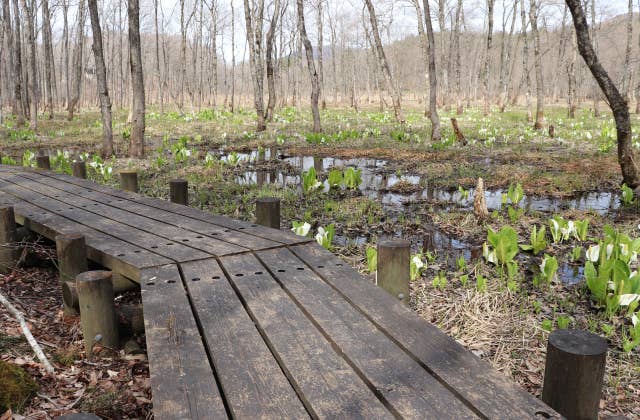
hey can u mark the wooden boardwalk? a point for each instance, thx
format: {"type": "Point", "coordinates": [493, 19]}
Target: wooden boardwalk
{"type": "Point", "coordinates": [244, 321]}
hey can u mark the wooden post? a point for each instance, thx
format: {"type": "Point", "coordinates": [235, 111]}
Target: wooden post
{"type": "Point", "coordinates": [129, 180]}
{"type": "Point", "coordinates": [393, 268]}
{"type": "Point", "coordinates": [9, 253]}
{"type": "Point", "coordinates": [179, 191]}
{"type": "Point", "coordinates": [43, 162]}
{"type": "Point", "coordinates": [268, 212]}
{"type": "Point", "coordinates": [574, 373]}
{"type": "Point", "coordinates": [97, 310]}
{"type": "Point", "coordinates": [72, 260]}
{"type": "Point", "coordinates": [80, 169]}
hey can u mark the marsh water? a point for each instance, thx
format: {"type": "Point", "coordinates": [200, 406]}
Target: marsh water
{"type": "Point", "coordinates": [401, 194]}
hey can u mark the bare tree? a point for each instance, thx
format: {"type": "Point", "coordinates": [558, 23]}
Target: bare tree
{"type": "Point", "coordinates": [433, 80]}
{"type": "Point", "coordinates": [533, 16]}
{"type": "Point", "coordinates": [424, 46]}
{"type": "Point", "coordinates": [136, 144]}
{"type": "Point", "coordinates": [77, 62]}
{"type": "Point", "coordinates": [313, 74]}
{"type": "Point", "coordinates": [323, 101]}
{"type": "Point", "coordinates": [18, 94]}
{"type": "Point", "coordinates": [32, 73]}
{"type": "Point", "coordinates": [487, 58]}
{"type": "Point", "coordinates": [626, 75]}
{"type": "Point", "coordinates": [271, 82]}
{"type": "Point", "coordinates": [626, 159]}
{"type": "Point", "coordinates": [101, 77]}
{"type": "Point", "coordinates": [254, 40]}
{"type": "Point", "coordinates": [49, 76]}
{"type": "Point", "coordinates": [384, 63]}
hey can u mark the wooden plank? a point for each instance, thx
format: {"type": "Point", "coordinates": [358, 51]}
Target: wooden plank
{"type": "Point", "coordinates": [409, 388]}
{"type": "Point", "coordinates": [191, 239]}
{"type": "Point", "coordinates": [117, 255]}
{"type": "Point", "coordinates": [491, 393]}
{"type": "Point", "coordinates": [325, 382]}
{"type": "Point", "coordinates": [252, 381]}
{"type": "Point", "coordinates": [173, 250]}
{"type": "Point", "coordinates": [183, 385]}
{"type": "Point", "coordinates": [282, 236]}
{"type": "Point", "coordinates": [210, 230]}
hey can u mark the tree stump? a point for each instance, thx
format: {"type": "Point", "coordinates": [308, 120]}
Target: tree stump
{"type": "Point", "coordinates": [72, 260]}
{"type": "Point", "coordinates": [79, 169]}
{"type": "Point", "coordinates": [97, 310]}
{"type": "Point", "coordinates": [480, 202]}
{"type": "Point", "coordinates": [393, 268]}
{"type": "Point", "coordinates": [43, 162]}
{"type": "Point", "coordinates": [129, 180]}
{"type": "Point", "coordinates": [460, 138]}
{"type": "Point", "coordinates": [9, 252]}
{"type": "Point", "coordinates": [574, 373]}
{"type": "Point", "coordinates": [268, 212]}
{"type": "Point", "coordinates": [179, 191]}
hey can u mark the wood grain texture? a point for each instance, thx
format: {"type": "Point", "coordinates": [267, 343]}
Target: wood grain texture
{"type": "Point", "coordinates": [183, 385]}
{"type": "Point", "coordinates": [409, 388]}
{"type": "Point", "coordinates": [207, 229]}
{"type": "Point", "coordinates": [253, 383]}
{"type": "Point", "coordinates": [327, 384]}
{"type": "Point", "coordinates": [474, 380]}
{"type": "Point", "coordinates": [281, 236]}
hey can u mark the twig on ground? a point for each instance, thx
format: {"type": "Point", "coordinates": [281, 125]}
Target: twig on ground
{"type": "Point", "coordinates": [27, 333]}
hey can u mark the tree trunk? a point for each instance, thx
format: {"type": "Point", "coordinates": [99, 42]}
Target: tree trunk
{"type": "Point", "coordinates": [526, 76]}
{"type": "Point", "coordinates": [65, 40]}
{"type": "Point", "coordinates": [626, 159]}
{"type": "Point", "coordinates": [49, 78]}
{"type": "Point", "coordinates": [626, 76]}
{"type": "Point", "coordinates": [101, 78]}
{"type": "Point", "coordinates": [8, 37]}
{"type": "Point", "coordinates": [77, 62]}
{"type": "Point", "coordinates": [433, 79]}
{"type": "Point", "coordinates": [533, 16]}
{"type": "Point", "coordinates": [424, 46]}
{"type": "Point", "coordinates": [487, 58]}
{"type": "Point", "coordinates": [157, 57]}
{"type": "Point", "coordinates": [271, 82]}
{"type": "Point", "coordinates": [458, 58]}
{"type": "Point", "coordinates": [32, 72]}
{"type": "Point", "coordinates": [323, 101]}
{"type": "Point", "coordinates": [572, 84]}
{"type": "Point", "coordinates": [233, 59]}
{"type": "Point", "coordinates": [384, 64]}
{"type": "Point", "coordinates": [17, 71]}
{"type": "Point", "coordinates": [136, 141]}
{"type": "Point", "coordinates": [254, 40]}
{"type": "Point", "coordinates": [313, 74]}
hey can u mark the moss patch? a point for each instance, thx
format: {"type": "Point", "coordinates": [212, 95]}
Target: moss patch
{"type": "Point", "coordinates": [16, 387]}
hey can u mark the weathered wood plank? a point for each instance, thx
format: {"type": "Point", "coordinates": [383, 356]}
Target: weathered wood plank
{"type": "Point", "coordinates": [323, 379]}
{"type": "Point", "coordinates": [253, 383]}
{"type": "Point", "coordinates": [207, 229]}
{"type": "Point", "coordinates": [173, 250]}
{"type": "Point", "coordinates": [119, 256]}
{"type": "Point", "coordinates": [183, 385]}
{"type": "Point", "coordinates": [409, 388]}
{"type": "Point", "coordinates": [188, 238]}
{"type": "Point", "coordinates": [491, 393]}
{"type": "Point", "coordinates": [282, 236]}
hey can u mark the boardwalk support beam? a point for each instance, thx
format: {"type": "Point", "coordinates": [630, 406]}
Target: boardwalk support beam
{"type": "Point", "coordinates": [179, 191]}
{"type": "Point", "coordinates": [43, 162]}
{"type": "Point", "coordinates": [9, 253]}
{"type": "Point", "coordinates": [72, 260]}
{"type": "Point", "coordinates": [129, 180]}
{"type": "Point", "coordinates": [79, 169]}
{"type": "Point", "coordinates": [574, 373]}
{"type": "Point", "coordinates": [393, 268]}
{"type": "Point", "coordinates": [97, 310]}
{"type": "Point", "coordinates": [268, 212]}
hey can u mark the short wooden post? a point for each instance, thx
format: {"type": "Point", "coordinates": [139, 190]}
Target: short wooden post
{"type": "Point", "coordinates": [72, 260]}
{"type": "Point", "coordinates": [97, 310]}
{"type": "Point", "coordinates": [574, 373]}
{"type": "Point", "coordinates": [129, 180]}
{"type": "Point", "coordinates": [179, 191]}
{"type": "Point", "coordinates": [9, 253]}
{"type": "Point", "coordinates": [268, 212]}
{"type": "Point", "coordinates": [79, 169]}
{"type": "Point", "coordinates": [393, 268]}
{"type": "Point", "coordinates": [43, 162]}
